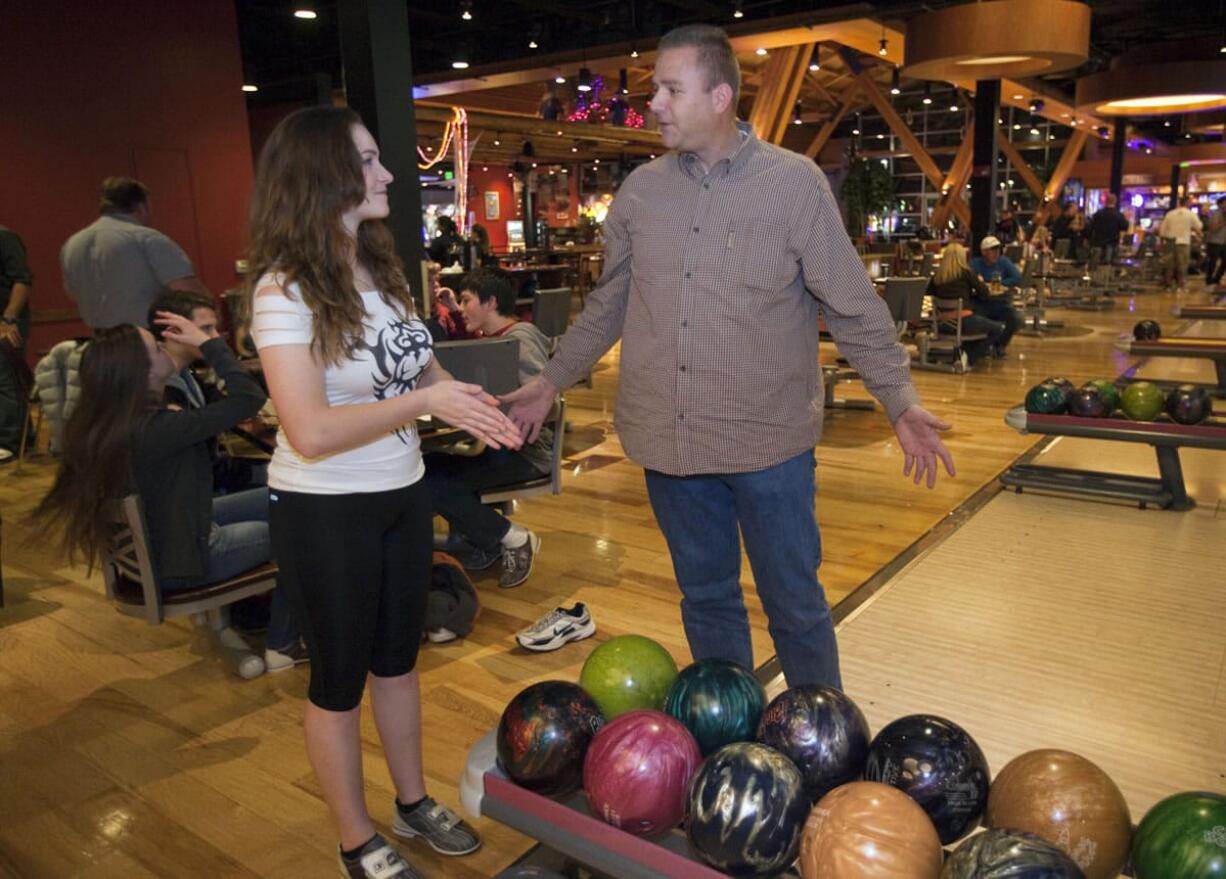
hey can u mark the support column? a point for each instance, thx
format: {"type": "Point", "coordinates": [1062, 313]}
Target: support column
{"type": "Point", "coordinates": [1117, 160]}
{"type": "Point", "coordinates": [983, 162]}
{"type": "Point", "coordinates": [1175, 169]}
{"type": "Point", "coordinates": [379, 86]}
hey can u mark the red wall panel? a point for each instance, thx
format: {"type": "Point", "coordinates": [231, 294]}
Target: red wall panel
{"type": "Point", "coordinates": [132, 87]}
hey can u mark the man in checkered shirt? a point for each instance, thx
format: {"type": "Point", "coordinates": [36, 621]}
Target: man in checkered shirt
{"type": "Point", "coordinates": [720, 256]}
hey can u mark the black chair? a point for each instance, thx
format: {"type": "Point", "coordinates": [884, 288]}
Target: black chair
{"type": "Point", "coordinates": [551, 312]}
{"type": "Point", "coordinates": [550, 483]}
{"type": "Point", "coordinates": [491, 363]}
{"type": "Point", "coordinates": [946, 339]}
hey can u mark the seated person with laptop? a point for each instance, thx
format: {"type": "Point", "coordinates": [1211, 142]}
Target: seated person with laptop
{"type": "Point", "coordinates": [487, 305]}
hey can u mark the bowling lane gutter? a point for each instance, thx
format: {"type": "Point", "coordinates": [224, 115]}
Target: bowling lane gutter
{"type": "Point", "coordinates": [772, 669]}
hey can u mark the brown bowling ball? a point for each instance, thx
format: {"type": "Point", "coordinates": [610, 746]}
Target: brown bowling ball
{"type": "Point", "coordinates": [1068, 801]}
{"type": "Point", "coordinates": [867, 829]}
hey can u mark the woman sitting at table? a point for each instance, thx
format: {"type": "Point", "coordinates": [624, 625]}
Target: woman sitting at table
{"type": "Point", "coordinates": [953, 279]}
{"type": "Point", "coordinates": [121, 438]}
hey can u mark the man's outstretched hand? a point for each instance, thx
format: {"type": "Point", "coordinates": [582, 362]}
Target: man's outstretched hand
{"type": "Point", "coordinates": [917, 433]}
{"type": "Point", "coordinates": [530, 406]}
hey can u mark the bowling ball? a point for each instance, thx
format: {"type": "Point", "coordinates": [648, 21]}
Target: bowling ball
{"type": "Point", "coordinates": [1045, 399]}
{"type": "Point", "coordinates": [1142, 401]}
{"type": "Point", "coordinates": [627, 673]}
{"type": "Point", "coordinates": [1147, 331]}
{"type": "Point", "coordinates": [638, 769]}
{"type": "Point", "coordinates": [719, 701]}
{"type": "Point", "coordinates": [1088, 402]}
{"type": "Point", "coordinates": [1068, 801]}
{"type": "Point", "coordinates": [1189, 404]}
{"type": "Point", "coordinates": [870, 830]}
{"type": "Point", "coordinates": [747, 808]}
{"type": "Point", "coordinates": [822, 731]}
{"type": "Point", "coordinates": [1109, 391]}
{"type": "Point", "coordinates": [937, 764]}
{"type": "Point", "coordinates": [543, 735]}
{"type": "Point", "coordinates": [1183, 836]}
{"type": "Point", "coordinates": [1008, 854]}
{"type": "Point", "coordinates": [1066, 386]}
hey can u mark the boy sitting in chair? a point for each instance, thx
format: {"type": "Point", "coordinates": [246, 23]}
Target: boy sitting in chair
{"type": "Point", "coordinates": [487, 306]}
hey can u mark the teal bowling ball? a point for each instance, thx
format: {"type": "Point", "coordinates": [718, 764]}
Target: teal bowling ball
{"type": "Point", "coordinates": [1046, 398]}
{"type": "Point", "coordinates": [719, 701]}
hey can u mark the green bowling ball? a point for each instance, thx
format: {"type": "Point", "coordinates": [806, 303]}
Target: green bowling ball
{"type": "Point", "coordinates": [627, 673]}
{"type": "Point", "coordinates": [1046, 398]}
{"type": "Point", "coordinates": [1142, 401]}
{"type": "Point", "coordinates": [1109, 391]}
{"type": "Point", "coordinates": [1183, 837]}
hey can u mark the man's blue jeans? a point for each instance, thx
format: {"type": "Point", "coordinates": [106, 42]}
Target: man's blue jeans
{"type": "Point", "coordinates": [774, 509]}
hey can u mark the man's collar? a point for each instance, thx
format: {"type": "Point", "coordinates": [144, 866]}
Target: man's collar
{"type": "Point", "coordinates": [122, 216]}
{"type": "Point", "coordinates": [692, 165]}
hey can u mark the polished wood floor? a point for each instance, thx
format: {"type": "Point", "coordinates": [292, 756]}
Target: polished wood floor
{"type": "Point", "coordinates": [127, 750]}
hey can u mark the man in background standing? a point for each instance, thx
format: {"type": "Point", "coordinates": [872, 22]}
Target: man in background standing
{"type": "Point", "coordinates": [15, 283]}
{"type": "Point", "coordinates": [1106, 227]}
{"type": "Point", "coordinates": [1176, 230]}
{"type": "Point", "coordinates": [115, 267]}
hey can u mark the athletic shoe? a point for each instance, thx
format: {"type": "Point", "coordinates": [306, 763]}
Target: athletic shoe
{"type": "Point", "coordinates": [5, 456]}
{"type": "Point", "coordinates": [446, 832]}
{"type": "Point", "coordinates": [288, 657]}
{"type": "Point", "coordinates": [377, 860]}
{"type": "Point", "coordinates": [517, 561]}
{"type": "Point", "coordinates": [441, 635]}
{"type": "Point", "coordinates": [560, 625]}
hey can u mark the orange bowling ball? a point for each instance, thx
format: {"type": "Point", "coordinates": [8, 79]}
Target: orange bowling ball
{"type": "Point", "coordinates": [1070, 802]}
{"type": "Point", "coordinates": [866, 829]}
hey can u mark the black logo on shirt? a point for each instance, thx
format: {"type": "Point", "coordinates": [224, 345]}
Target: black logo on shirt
{"type": "Point", "coordinates": [401, 352]}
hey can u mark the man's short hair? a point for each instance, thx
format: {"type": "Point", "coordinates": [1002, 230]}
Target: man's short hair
{"type": "Point", "coordinates": [715, 55]}
{"type": "Point", "coordinates": [487, 284]}
{"type": "Point", "coordinates": [122, 194]}
{"type": "Point", "coordinates": [180, 302]}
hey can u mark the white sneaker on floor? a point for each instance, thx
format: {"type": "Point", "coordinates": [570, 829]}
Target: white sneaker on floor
{"type": "Point", "coordinates": [560, 626]}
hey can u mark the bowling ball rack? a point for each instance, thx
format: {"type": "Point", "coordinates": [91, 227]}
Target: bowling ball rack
{"type": "Point", "coordinates": [1168, 492]}
{"type": "Point", "coordinates": [1213, 349]}
{"type": "Point", "coordinates": [566, 826]}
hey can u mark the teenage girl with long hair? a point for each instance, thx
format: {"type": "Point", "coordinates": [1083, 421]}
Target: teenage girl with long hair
{"type": "Point", "coordinates": [121, 438]}
{"type": "Point", "coordinates": [350, 367]}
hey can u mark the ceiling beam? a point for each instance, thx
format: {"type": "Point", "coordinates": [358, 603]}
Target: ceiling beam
{"type": "Point", "coordinates": [1064, 167]}
{"type": "Point", "coordinates": [814, 149]}
{"type": "Point", "coordinates": [1033, 183]}
{"type": "Point", "coordinates": [955, 181]}
{"type": "Point", "coordinates": [868, 86]}
{"type": "Point", "coordinates": [772, 107]}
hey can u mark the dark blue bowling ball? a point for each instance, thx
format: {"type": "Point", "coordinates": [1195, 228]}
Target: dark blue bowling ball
{"type": "Point", "coordinates": [937, 764]}
{"type": "Point", "coordinates": [1009, 854]}
{"type": "Point", "coordinates": [719, 701]}
{"type": "Point", "coordinates": [1189, 404]}
{"type": "Point", "coordinates": [747, 807]}
{"type": "Point", "coordinates": [822, 731]}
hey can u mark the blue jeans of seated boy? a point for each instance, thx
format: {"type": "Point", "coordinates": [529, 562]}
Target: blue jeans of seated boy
{"type": "Point", "coordinates": [773, 509]}
{"type": "Point", "coordinates": [456, 483]}
{"type": "Point", "coordinates": [238, 542]}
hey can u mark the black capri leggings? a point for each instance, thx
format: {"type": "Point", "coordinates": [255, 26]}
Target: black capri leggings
{"type": "Point", "coordinates": [355, 569]}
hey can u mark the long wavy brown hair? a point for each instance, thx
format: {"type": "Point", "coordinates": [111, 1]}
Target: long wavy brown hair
{"type": "Point", "coordinates": [96, 460]}
{"type": "Point", "coordinates": [309, 174]}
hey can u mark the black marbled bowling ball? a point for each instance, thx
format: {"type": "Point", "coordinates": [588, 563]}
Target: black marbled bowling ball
{"type": "Point", "coordinates": [822, 731]}
{"type": "Point", "coordinates": [1189, 404]}
{"type": "Point", "coordinates": [1147, 331]}
{"type": "Point", "coordinates": [1046, 398]}
{"type": "Point", "coordinates": [1088, 402]}
{"type": "Point", "coordinates": [544, 734]}
{"type": "Point", "coordinates": [936, 763]}
{"type": "Point", "coordinates": [748, 805]}
{"type": "Point", "coordinates": [1008, 854]}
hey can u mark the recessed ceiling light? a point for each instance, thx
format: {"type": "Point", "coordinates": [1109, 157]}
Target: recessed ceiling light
{"type": "Point", "coordinates": [1166, 124]}
{"type": "Point", "coordinates": [466, 15]}
{"type": "Point", "coordinates": [1034, 131]}
{"type": "Point", "coordinates": [595, 161]}
{"type": "Point", "coordinates": [652, 156]}
{"type": "Point", "coordinates": [634, 53]}
{"type": "Point", "coordinates": [532, 44]}
{"type": "Point", "coordinates": [814, 66]}
{"type": "Point", "coordinates": [881, 137]}
{"type": "Point", "coordinates": [484, 167]}
{"type": "Point", "coordinates": [560, 79]}
{"type": "Point", "coordinates": [574, 149]}
{"type": "Point", "coordinates": [307, 14]}
{"type": "Point", "coordinates": [1019, 97]}
{"type": "Point", "coordinates": [251, 88]}
{"type": "Point", "coordinates": [460, 65]}
{"type": "Point", "coordinates": [759, 51]}
{"type": "Point", "coordinates": [953, 108]}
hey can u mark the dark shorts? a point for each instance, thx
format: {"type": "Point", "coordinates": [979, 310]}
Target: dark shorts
{"type": "Point", "coordinates": [355, 569]}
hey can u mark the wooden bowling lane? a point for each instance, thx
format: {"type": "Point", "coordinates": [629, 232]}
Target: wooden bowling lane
{"type": "Point", "coordinates": [1047, 622]}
